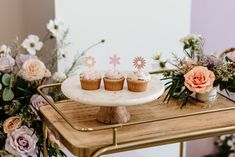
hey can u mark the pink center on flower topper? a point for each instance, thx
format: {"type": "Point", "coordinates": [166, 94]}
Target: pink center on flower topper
{"type": "Point", "coordinates": [89, 61]}
{"type": "Point", "coordinates": [139, 62]}
{"type": "Point", "coordinates": [114, 60]}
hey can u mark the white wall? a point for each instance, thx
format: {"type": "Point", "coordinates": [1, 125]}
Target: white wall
{"type": "Point", "coordinates": [131, 28]}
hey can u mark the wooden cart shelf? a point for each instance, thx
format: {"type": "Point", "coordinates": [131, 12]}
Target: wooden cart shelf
{"type": "Point", "coordinates": [151, 124]}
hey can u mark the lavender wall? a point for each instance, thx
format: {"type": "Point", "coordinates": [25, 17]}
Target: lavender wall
{"type": "Point", "coordinates": [214, 19]}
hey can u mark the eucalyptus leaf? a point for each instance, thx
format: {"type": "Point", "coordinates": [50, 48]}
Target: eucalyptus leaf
{"type": "Point", "coordinates": [0, 86]}
{"type": "Point", "coordinates": [6, 79]}
{"type": "Point", "coordinates": [7, 94]}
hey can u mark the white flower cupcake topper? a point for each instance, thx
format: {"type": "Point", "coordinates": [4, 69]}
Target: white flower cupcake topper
{"type": "Point", "coordinates": [89, 61]}
{"type": "Point", "coordinates": [114, 60]}
{"type": "Point", "coordinates": [139, 62]}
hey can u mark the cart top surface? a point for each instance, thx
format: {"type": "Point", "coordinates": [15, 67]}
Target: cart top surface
{"type": "Point", "coordinates": [85, 116]}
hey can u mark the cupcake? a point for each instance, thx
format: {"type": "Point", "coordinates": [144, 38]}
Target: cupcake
{"type": "Point", "coordinates": [90, 80]}
{"type": "Point", "coordinates": [137, 81]}
{"type": "Point", "coordinates": [114, 80]}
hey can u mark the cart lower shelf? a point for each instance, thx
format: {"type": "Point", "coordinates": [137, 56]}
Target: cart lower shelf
{"type": "Point", "coordinates": [169, 124]}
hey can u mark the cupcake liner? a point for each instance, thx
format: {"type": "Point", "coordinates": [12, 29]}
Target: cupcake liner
{"type": "Point", "coordinates": [137, 86]}
{"type": "Point", "coordinates": [90, 84]}
{"type": "Point", "coordinates": [113, 85]}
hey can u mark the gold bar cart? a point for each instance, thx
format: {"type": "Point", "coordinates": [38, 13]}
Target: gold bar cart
{"type": "Point", "coordinates": [151, 124]}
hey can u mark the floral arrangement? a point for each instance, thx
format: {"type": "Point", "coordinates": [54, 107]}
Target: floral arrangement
{"type": "Point", "coordinates": [197, 72]}
{"type": "Point", "coordinates": [21, 72]}
{"type": "Point", "coordinates": [226, 146]}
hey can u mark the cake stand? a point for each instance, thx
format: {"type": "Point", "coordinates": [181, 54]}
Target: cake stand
{"type": "Point", "coordinates": [112, 103]}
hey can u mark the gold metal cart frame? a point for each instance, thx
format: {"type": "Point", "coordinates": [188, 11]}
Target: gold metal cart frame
{"type": "Point", "coordinates": [203, 112]}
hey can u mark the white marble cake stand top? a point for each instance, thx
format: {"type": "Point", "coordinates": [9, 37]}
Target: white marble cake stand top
{"type": "Point", "coordinates": [72, 89]}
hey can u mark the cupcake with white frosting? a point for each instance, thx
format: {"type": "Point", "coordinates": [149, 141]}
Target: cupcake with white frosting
{"type": "Point", "coordinates": [114, 80]}
{"type": "Point", "coordinates": [90, 80]}
{"type": "Point", "coordinates": [137, 81]}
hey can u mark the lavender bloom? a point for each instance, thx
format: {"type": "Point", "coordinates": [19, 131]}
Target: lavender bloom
{"type": "Point", "coordinates": [6, 63]}
{"type": "Point", "coordinates": [21, 142]}
{"type": "Point", "coordinates": [37, 101]}
{"type": "Point", "coordinates": [21, 58]}
{"type": "Point", "coordinates": [211, 62]}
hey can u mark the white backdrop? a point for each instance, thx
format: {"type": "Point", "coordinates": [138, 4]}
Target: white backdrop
{"type": "Point", "coordinates": [130, 28]}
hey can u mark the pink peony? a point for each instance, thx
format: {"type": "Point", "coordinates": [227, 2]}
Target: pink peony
{"type": "Point", "coordinates": [21, 142]}
{"type": "Point", "coordinates": [6, 63]}
{"type": "Point", "coordinates": [199, 79]}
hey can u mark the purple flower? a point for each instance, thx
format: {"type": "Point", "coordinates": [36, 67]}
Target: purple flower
{"type": "Point", "coordinates": [21, 142]}
{"type": "Point", "coordinates": [21, 58]}
{"type": "Point", "coordinates": [6, 63]}
{"type": "Point", "coordinates": [211, 61]}
{"type": "Point", "coordinates": [37, 101]}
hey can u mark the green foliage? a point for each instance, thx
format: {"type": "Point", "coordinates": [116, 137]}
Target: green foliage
{"type": "Point", "coordinates": [5, 86]}
{"type": "Point", "coordinates": [175, 88]}
{"type": "Point", "coordinates": [6, 78]}
{"type": "Point", "coordinates": [12, 108]}
{"type": "Point", "coordinates": [55, 150]}
{"type": "Point", "coordinates": [7, 94]}
{"type": "Point", "coordinates": [226, 85]}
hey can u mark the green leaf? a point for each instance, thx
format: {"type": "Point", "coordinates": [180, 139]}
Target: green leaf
{"type": "Point", "coordinates": [0, 86]}
{"type": "Point", "coordinates": [7, 94]}
{"type": "Point", "coordinates": [6, 79]}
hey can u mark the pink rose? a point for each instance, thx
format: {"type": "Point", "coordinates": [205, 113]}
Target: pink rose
{"type": "Point", "coordinates": [21, 142]}
{"type": "Point", "coordinates": [231, 55]}
{"type": "Point", "coordinates": [6, 63]}
{"type": "Point", "coordinates": [34, 69]}
{"type": "Point", "coordinates": [199, 79]}
{"type": "Point", "coordinates": [12, 123]}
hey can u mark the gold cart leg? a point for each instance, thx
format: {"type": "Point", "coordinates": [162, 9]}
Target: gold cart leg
{"type": "Point", "coordinates": [181, 149]}
{"type": "Point", "coordinates": [44, 127]}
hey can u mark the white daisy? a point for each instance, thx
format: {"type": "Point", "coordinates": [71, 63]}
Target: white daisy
{"type": "Point", "coordinates": [4, 50]}
{"type": "Point", "coordinates": [55, 27]}
{"type": "Point", "coordinates": [32, 44]}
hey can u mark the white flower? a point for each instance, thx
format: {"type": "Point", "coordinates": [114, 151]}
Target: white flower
{"type": "Point", "coordinates": [223, 137]}
{"type": "Point", "coordinates": [59, 77]}
{"type": "Point", "coordinates": [231, 144]}
{"type": "Point", "coordinates": [55, 27]}
{"type": "Point", "coordinates": [191, 37]}
{"type": "Point", "coordinates": [32, 44]}
{"type": "Point", "coordinates": [4, 51]}
{"type": "Point", "coordinates": [62, 53]}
